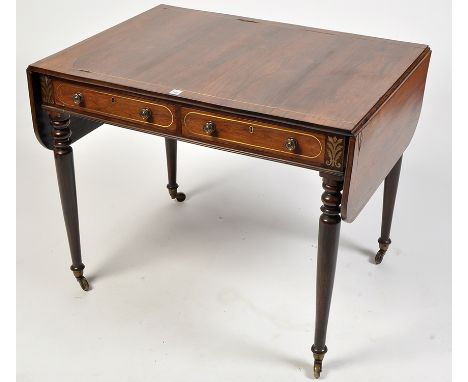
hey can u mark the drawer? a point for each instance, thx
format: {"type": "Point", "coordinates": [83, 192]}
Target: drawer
{"type": "Point", "coordinates": [88, 99]}
{"type": "Point", "coordinates": [248, 135]}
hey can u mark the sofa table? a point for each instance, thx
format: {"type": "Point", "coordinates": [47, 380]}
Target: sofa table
{"type": "Point", "coordinates": [342, 104]}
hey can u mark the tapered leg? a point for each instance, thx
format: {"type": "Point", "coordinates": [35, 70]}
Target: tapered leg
{"type": "Point", "coordinates": [171, 154]}
{"type": "Point", "coordinates": [328, 239]}
{"type": "Point", "coordinates": [63, 155]}
{"type": "Point", "coordinates": [390, 191]}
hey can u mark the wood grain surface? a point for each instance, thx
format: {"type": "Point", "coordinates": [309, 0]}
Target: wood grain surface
{"type": "Point", "coordinates": [359, 96]}
{"type": "Point", "coordinates": [382, 141]}
{"type": "Point", "coordinates": [249, 134]}
{"type": "Point", "coordinates": [301, 73]}
{"type": "Point", "coordinates": [108, 103]}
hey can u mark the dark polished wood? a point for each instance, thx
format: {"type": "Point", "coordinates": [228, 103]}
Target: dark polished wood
{"type": "Point", "coordinates": [63, 154]}
{"type": "Point", "coordinates": [171, 155]}
{"type": "Point", "coordinates": [230, 131]}
{"type": "Point", "coordinates": [100, 102]}
{"type": "Point", "coordinates": [327, 251]}
{"type": "Point", "coordinates": [365, 91]}
{"type": "Point", "coordinates": [288, 71]}
{"type": "Point", "coordinates": [389, 197]}
{"type": "Point", "coordinates": [40, 117]}
{"type": "Point", "coordinates": [345, 105]}
{"type": "Point", "coordinates": [379, 143]}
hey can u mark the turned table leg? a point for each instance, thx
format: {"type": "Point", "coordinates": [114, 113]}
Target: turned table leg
{"type": "Point", "coordinates": [328, 239]}
{"type": "Point", "coordinates": [63, 155]}
{"type": "Point", "coordinates": [390, 191]}
{"type": "Point", "coordinates": [171, 154]}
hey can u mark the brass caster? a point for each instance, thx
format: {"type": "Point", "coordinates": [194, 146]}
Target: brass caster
{"type": "Point", "coordinates": [319, 354]}
{"type": "Point", "coordinates": [379, 256]}
{"type": "Point", "coordinates": [180, 197]}
{"type": "Point", "coordinates": [83, 283]}
{"type": "Point", "coordinates": [317, 370]}
{"type": "Point", "coordinates": [81, 279]}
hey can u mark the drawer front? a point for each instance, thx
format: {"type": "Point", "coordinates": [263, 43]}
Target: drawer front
{"type": "Point", "coordinates": [247, 135]}
{"type": "Point", "coordinates": [95, 101]}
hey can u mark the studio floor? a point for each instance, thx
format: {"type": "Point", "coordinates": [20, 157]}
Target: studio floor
{"type": "Point", "coordinates": [221, 286]}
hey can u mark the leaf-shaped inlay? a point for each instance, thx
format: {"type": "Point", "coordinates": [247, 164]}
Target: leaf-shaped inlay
{"type": "Point", "coordinates": [334, 152]}
{"type": "Point", "coordinates": [47, 91]}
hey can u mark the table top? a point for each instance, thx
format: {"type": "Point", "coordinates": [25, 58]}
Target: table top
{"type": "Point", "coordinates": [298, 73]}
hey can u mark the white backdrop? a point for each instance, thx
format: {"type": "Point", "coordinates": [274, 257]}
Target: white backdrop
{"type": "Point", "coordinates": [222, 286]}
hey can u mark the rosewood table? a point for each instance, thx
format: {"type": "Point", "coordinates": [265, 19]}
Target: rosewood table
{"type": "Point", "coordinates": [341, 104]}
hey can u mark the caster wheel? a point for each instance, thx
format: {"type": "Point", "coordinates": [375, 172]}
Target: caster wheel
{"type": "Point", "coordinates": [180, 196]}
{"type": "Point", "coordinates": [379, 257]}
{"type": "Point", "coordinates": [317, 370]}
{"type": "Point", "coordinates": [83, 283]}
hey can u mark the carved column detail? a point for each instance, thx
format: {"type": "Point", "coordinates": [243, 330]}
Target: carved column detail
{"type": "Point", "coordinates": [331, 199]}
{"type": "Point", "coordinates": [61, 133]}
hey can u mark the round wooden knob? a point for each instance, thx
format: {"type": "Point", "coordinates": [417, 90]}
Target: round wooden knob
{"type": "Point", "coordinates": [77, 98]}
{"type": "Point", "coordinates": [291, 144]}
{"type": "Point", "coordinates": [209, 127]}
{"type": "Point", "coordinates": [145, 113]}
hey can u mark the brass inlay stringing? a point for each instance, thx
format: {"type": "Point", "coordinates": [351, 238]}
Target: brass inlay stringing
{"type": "Point", "coordinates": [334, 152]}
{"type": "Point", "coordinates": [250, 124]}
{"type": "Point", "coordinates": [115, 98]}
